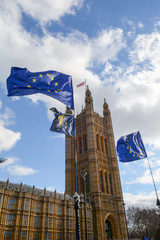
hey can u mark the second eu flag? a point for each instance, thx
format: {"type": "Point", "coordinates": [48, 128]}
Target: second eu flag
{"type": "Point", "coordinates": [63, 123]}
{"type": "Point", "coordinates": [54, 84]}
{"type": "Point", "coordinates": [131, 148]}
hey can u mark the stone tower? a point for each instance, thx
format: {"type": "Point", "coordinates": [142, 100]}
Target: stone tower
{"type": "Point", "coordinates": [96, 154]}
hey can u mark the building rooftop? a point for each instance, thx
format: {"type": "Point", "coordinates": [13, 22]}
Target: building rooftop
{"type": "Point", "coordinates": [36, 191]}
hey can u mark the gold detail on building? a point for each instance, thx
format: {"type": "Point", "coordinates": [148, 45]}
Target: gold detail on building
{"type": "Point", "coordinates": [28, 213]}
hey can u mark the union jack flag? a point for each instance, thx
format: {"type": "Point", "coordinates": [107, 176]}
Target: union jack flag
{"type": "Point", "coordinates": [81, 84]}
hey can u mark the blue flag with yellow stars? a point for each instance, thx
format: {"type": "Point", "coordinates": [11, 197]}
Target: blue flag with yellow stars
{"type": "Point", "coordinates": [54, 84]}
{"type": "Point", "coordinates": [131, 148]}
{"type": "Point", "coordinates": [63, 123]}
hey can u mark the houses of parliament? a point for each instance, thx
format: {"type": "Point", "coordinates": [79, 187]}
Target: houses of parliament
{"type": "Point", "coordinates": [28, 213]}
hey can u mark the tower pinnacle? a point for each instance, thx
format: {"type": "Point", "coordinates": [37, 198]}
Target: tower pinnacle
{"type": "Point", "coordinates": [106, 111]}
{"type": "Point", "coordinates": [89, 100]}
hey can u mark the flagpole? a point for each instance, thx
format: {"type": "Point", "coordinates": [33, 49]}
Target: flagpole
{"type": "Point", "coordinates": [153, 180]}
{"type": "Point", "coordinates": [158, 202]}
{"type": "Point", "coordinates": [75, 149]}
{"type": "Point", "coordinates": [85, 85]}
{"type": "Point", "coordinates": [76, 196]}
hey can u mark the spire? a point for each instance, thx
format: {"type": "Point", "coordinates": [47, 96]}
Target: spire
{"type": "Point", "coordinates": [106, 111]}
{"type": "Point", "coordinates": [89, 100]}
{"type": "Point", "coordinates": [7, 183]}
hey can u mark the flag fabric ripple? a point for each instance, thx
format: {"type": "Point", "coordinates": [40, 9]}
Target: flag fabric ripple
{"type": "Point", "coordinates": [131, 148]}
{"type": "Point", "coordinates": [63, 123]}
{"type": "Point", "coordinates": [52, 83]}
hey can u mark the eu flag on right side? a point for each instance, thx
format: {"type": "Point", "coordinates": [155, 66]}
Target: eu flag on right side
{"type": "Point", "coordinates": [131, 148]}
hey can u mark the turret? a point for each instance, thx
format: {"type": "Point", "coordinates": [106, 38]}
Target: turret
{"type": "Point", "coordinates": [106, 111]}
{"type": "Point", "coordinates": [89, 100]}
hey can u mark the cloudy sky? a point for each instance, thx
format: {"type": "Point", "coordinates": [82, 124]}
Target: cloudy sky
{"type": "Point", "coordinates": [115, 46]}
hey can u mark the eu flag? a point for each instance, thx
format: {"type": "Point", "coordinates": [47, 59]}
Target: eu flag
{"type": "Point", "coordinates": [131, 148]}
{"type": "Point", "coordinates": [54, 84]}
{"type": "Point", "coordinates": [63, 123]}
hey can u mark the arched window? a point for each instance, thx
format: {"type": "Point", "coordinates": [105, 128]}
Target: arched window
{"type": "Point", "coordinates": [98, 142]}
{"type": "Point", "coordinates": [82, 190]}
{"type": "Point", "coordinates": [101, 181]}
{"type": "Point", "coordinates": [110, 183]}
{"type": "Point", "coordinates": [102, 144]}
{"type": "Point", "coordinates": [80, 145]}
{"type": "Point", "coordinates": [85, 143]}
{"type": "Point", "coordinates": [106, 146]}
{"type": "Point", "coordinates": [106, 181]}
{"type": "Point", "coordinates": [87, 183]}
{"type": "Point", "coordinates": [108, 230]}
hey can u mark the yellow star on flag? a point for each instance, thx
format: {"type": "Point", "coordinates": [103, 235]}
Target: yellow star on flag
{"type": "Point", "coordinates": [34, 80]}
{"type": "Point", "coordinates": [29, 86]}
{"type": "Point", "coordinates": [56, 84]}
{"type": "Point", "coordinates": [40, 75]}
{"type": "Point", "coordinates": [47, 74]}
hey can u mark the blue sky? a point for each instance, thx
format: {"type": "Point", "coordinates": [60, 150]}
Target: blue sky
{"type": "Point", "coordinates": [115, 46]}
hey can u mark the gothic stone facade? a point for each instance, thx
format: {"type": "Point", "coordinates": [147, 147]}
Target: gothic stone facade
{"type": "Point", "coordinates": [97, 156]}
{"type": "Point", "coordinates": [28, 213]}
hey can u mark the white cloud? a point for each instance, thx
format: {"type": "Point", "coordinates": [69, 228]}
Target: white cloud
{"type": "Point", "coordinates": [131, 84]}
{"type": "Point", "coordinates": [137, 81]}
{"type": "Point", "coordinates": [154, 162]}
{"type": "Point", "coordinates": [146, 178]}
{"type": "Point", "coordinates": [145, 49]}
{"type": "Point", "coordinates": [8, 138]}
{"type": "Point", "coordinates": [9, 161]}
{"type": "Point", "coordinates": [150, 153]}
{"type": "Point", "coordinates": [42, 11]}
{"type": "Point", "coordinates": [136, 103]}
{"type": "Point", "coordinates": [123, 172]}
{"type": "Point", "coordinates": [18, 170]}
{"type": "Point", "coordinates": [89, 6]}
{"type": "Point", "coordinates": [56, 136]}
{"type": "Point", "coordinates": [141, 200]}
{"type": "Point", "coordinates": [52, 189]}
{"type": "Point", "coordinates": [157, 24]}
{"type": "Point", "coordinates": [140, 25]}
{"type": "Point", "coordinates": [6, 118]}
{"type": "Point", "coordinates": [63, 52]}
{"type": "Point", "coordinates": [107, 45]}
{"type": "Point", "coordinates": [49, 10]}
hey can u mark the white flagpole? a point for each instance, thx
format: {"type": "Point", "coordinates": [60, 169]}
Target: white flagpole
{"type": "Point", "coordinates": [153, 179]}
